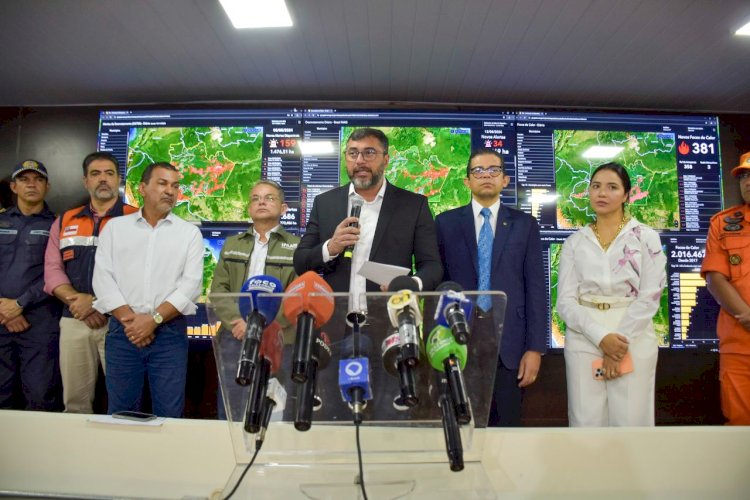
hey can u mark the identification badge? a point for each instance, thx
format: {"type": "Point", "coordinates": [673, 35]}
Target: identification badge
{"type": "Point", "coordinates": [70, 231]}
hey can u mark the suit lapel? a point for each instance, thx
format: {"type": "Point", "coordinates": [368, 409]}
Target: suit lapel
{"type": "Point", "coordinates": [390, 200]}
{"type": "Point", "coordinates": [502, 231]}
{"type": "Point", "coordinates": [468, 228]}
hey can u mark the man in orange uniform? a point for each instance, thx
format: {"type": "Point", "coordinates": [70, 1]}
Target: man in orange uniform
{"type": "Point", "coordinates": [68, 270]}
{"type": "Point", "coordinates": [726, 268]}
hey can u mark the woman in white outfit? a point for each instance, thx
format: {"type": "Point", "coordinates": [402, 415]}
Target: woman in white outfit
{"type": "Point", "coordinates": [611, 277]}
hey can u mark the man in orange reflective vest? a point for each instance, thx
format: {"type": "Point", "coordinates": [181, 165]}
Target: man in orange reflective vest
{"type": "Point", "coordinates": [68, 270]}
{"type": "Point", "coordinates": [726, 268]}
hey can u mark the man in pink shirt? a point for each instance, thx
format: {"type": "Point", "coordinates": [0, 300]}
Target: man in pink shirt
{"type": "Point", "coordinates": [68, 271]}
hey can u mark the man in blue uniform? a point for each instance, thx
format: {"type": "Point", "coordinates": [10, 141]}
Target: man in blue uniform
{"type": "Point", "coordinates": [29, 330]}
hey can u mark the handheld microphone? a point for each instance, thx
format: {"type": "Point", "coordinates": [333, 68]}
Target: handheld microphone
{"type": "Point", "coordinates": [452, 310]}
{"type": "Point", "coordinates": [357, 203]}
{"type": "Point", "coordinates": [395, 366]}
{"type": "Point", "coordinates": [320, 359]}
{"type": "Point", "coordinates": [275, 401]}
{"type": "Point", "coordinates": [310, 307]}
{"type": "Point", "coordinates": [446, 355]}
{"type": "Point", "coordinates": [354, 370]}
{"type": "Point", "coordinates": [260, 310]}
{"type": "Point", "coordinates": [453, 445]}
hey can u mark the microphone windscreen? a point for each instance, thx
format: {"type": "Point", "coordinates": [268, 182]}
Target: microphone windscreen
{"type": "Point", "coordinates": [403, 283]}
{"type": "Point", "coordinates": [272, 345]}
{"type": "Point", "coordinates": [441, 344]}
{"type": "Point", "coordinates": [256, 287]}
{"type": "Point", "coordinates": [446, 286]}
{"type": "Point", "coordinates": [301, 299]}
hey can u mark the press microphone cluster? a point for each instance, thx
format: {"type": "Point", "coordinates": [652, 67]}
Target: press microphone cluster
{"type": "Point", "coordinates": [356, 210]}
{"type": "Point", "coordinates": [402, 358]}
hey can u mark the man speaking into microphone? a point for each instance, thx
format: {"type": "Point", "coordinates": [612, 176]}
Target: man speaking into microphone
{"type": "Point", "coordinates": [394, 225]}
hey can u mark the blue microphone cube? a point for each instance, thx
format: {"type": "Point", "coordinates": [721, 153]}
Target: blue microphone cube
{"type": "Point", "coordinates": [353, 373]}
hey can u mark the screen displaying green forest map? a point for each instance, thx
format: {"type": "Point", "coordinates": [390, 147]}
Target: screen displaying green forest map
{"type": "Point", "coordinates": [429, 161]}
{"type": "Point", "coordinates": [558, 326]}
{"type": "Point", "coordinates": [650, 159]}
{"type": "Point", "coordinates": [218, 166]}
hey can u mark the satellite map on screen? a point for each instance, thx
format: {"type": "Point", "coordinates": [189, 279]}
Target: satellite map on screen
{"type": "Point", "coordinates": [650, 159]}
{"type": "Point", "coordinates": [429, 161]}
{"type": "Point", "coordinates": [558, 326]}
{"type": "Point", "coordinates": [218, 166]}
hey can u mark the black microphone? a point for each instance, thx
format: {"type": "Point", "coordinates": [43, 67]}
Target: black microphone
{"type": "Point", "coordinates": [391, 353]}
{"type": "Point", "coordinates": [309, 306]}
{"type": "Point", "coordinates": [256, 396]}
{"type": "Point", "coordinates": [452, 310]}
{"type": "Point", "coordinates": [356, 210]}
{"type": "Point", "coordinates": [453, 446]}
{"type": "Point", "coordinates": [354, 367]}
{"type": "Point", "coordinates": [275, 401]}
{"type": "Point", "coordinates": [319, 360]}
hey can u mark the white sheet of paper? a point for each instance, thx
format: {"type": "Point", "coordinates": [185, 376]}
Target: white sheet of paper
{"type": "Point", "coordinates": [109, 419]}
{"type": "Point", "coordinates": [382, 274]}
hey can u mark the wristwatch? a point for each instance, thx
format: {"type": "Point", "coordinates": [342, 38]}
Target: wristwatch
{"type": "Point", "coordinates": [158, 319]}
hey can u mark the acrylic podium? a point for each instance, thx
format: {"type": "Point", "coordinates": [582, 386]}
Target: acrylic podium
{"type": "Point", "coordinates": [403, 447]}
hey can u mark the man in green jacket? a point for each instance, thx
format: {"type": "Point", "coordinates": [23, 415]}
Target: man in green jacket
{"type": "Point", "coordinates": [265, 248]}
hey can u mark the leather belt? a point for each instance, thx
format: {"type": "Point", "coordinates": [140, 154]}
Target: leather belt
{"type": "Point", "coordinates": [604, 306]}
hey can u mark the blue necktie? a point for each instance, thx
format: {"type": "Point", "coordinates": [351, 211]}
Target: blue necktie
{"type": "Point", "coordinates": [485, 259]}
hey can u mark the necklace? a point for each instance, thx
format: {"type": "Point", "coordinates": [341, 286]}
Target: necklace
{"type": "Point", "coordinates": [605, 246]}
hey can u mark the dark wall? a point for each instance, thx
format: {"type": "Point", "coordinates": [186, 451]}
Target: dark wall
{"type": "Point", "coordinates": [687, 382]}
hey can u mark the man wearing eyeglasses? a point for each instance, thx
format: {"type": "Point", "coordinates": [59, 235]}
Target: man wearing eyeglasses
{"type": "Point", "coordinates": [265, 248]}
{"type": "Point", "coordinates": [395, 225]}
{"type": "Point", "coordinates": [486, 245]}
{"type": "Point", "coordinates": [725, 268]}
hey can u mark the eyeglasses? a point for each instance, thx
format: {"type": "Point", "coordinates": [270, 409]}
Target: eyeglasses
{"type": "Point", "coordinates": [494, 171]}
{"type": "Point", "coordinates": [744, 176]}
{"type": "Point", "coordinates": [368, 154]}
{"type": "Point", "coordinates": [269, 198]}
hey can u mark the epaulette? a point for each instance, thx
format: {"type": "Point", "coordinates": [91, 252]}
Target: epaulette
{"type": "Point", "coordinates": [735, 211]}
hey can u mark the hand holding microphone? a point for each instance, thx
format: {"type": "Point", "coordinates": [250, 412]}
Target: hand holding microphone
{"type": "Point", "coordinates": [346, 234]}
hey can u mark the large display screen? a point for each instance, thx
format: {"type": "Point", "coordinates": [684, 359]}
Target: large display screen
{"type": "Point", "coordinates": [673, 161]}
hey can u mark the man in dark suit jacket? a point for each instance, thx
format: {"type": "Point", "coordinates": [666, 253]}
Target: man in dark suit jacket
{"type": "Point", "coordinates": [516, 269]}
{"type": "Point", "coordinates": [395, 224]}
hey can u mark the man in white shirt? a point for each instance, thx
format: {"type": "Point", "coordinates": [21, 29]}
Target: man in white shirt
{"type": "Point", "coordinates": [148, 274]}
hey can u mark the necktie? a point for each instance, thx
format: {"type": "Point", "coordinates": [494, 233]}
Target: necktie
{"type": "Point", "coordinates": [485, 259]}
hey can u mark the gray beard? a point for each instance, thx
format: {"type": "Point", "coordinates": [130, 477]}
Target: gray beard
{"type": "Point", "coordinates": [374, 181]}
